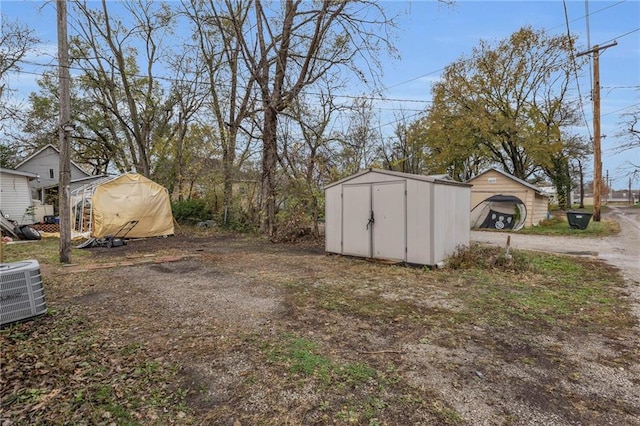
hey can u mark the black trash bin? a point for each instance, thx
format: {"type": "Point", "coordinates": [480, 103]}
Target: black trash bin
{"type": "Point", "coordinates": [578, 220]}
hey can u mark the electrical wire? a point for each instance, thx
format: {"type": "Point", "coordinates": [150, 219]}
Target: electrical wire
{"type": "Point", "coordinates": [620, 109]}
{"type": "Point", "coordinates": [621, 36]}
{"type": "Point", "coordinates": [572, 57]}
{"type": "Point", "coordinates": [586, 14]}
{"type": "Point", "coordinates": [384, 99]}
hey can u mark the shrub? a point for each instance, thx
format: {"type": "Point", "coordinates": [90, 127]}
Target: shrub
{"type": "Point", "coordinates": [488, 258]}
{"type": "Point", "coordinates": [191, 211]}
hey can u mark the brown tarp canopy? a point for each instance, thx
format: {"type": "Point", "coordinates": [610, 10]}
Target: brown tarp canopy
{"type": "Point", "coordinates": [111, 205]}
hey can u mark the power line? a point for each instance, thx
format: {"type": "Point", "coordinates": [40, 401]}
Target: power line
{"type": "Point", "coordinates": [414, 79]}
{"type": "Point", "coordinates": [587, 15]}
{"type": "Point", "coordinates": [586, 10]}
{"type": "Point", "coordinates": [621, 109]}
{"type": "Point", "coordinates": [623, 35]}
{"type": "Point", "coordinates": [575, 69]}
{"type": "Point", "coordinates": [177, 80]}
{"type": "Point", "coordinates": [621, 87]}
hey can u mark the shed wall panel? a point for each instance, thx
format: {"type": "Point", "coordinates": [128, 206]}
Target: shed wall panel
{"type": "Point", "coordinates": [389, 230]}
{"type": "Point", "coordinates": [356, 210]}
{"type": "Point", "coordinates": [451, 221]}
{"type": "Point", "coordinates": [333, 219]}
{"type": "Point", "coordinates": [431, 207]}
{"type": "Point", "coordinates": [418, 228]}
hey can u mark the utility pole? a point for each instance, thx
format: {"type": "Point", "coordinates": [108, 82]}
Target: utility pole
{"type": "Point", "coordinates": [64, 134]}
{"type": "Point", "coordinates": [597, 154]}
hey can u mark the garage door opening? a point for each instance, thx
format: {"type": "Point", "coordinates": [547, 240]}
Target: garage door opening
{"type": "Point", "coordinates": [499, 212]}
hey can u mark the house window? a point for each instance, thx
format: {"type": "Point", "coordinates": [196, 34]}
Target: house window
{"type": "Point", "coordinates": [51, 173]}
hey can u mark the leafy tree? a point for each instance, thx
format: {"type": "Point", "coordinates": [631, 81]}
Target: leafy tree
{"type": "Point", "coordinates": [92, 145]}
{"type": "Point", "coordinates": [445, 153]}
{"type": "Point", "coordinates": [504, 104]}
{"type": "Point", "coordinates": [8, 156]}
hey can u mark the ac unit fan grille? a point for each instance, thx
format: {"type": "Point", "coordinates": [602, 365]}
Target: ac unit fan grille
{"type": "Point", "coordinates": [21, 292]}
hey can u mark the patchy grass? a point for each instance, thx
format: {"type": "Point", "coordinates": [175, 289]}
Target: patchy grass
{"type": "Point", "coordinates": [354, 392]}
{"type": "Point", "coordinates": [536, 290]}
{"type": "Point", "coordinates": [350, 342]}
{"type": "Point", "coordinates": [526, 289]}
{"type": "Point", "coordinates": [45, 251]}
{"type": "Point", "coordinates": [558, 225]}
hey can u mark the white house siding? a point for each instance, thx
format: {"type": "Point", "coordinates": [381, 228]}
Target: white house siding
{"type": "Point", "coordinates": [15, 197]}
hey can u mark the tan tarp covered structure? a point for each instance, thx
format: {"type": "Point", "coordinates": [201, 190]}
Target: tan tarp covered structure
{"type": "Point", "coordinates": [105, 207]}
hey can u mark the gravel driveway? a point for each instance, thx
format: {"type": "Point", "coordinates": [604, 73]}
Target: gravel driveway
{"type": "Point", "coordinates": [621, 251]}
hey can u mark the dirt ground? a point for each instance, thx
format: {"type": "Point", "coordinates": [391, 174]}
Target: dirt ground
{"type": "Point", "coordinates": [218, 312]}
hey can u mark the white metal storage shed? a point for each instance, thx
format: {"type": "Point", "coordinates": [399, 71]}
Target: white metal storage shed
{"type": "Point", "coordinates": [397, 216]}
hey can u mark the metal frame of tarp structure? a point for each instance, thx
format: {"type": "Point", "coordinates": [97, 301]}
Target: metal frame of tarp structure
{"type": "Point", "coordinates": [81, 200]}
{"type": "Point", "coordinates": [496, 204]}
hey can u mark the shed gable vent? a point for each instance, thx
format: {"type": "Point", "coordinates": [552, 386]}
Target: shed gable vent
{"type": "Point", "coordinates": [492, 180]}
{"type": "Point", "coordinates": [21, 291]}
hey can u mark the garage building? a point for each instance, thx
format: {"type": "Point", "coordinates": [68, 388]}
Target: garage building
{"type": "Point", "coordinates": [494, 183]}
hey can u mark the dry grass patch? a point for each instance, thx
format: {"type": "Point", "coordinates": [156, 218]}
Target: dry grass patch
{"type": "Point", "coordinates": [280, 334]}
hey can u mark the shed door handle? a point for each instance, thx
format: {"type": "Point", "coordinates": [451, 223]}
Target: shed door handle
{"type": "Point", "coordinates": [371, 220]}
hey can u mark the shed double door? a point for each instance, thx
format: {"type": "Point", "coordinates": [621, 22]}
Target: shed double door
{"type": "Point", "coordinates": [374, 220]}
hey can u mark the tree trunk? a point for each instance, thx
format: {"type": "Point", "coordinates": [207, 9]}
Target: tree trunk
{"type": "Point", "coordinates": [228, 159]}
{"type": "Point", "coordinates": [269, 165]}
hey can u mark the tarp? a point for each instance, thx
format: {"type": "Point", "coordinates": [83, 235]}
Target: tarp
{"type": "Point", "coordinates": [129, 197]}
{"type": "Point", "coordinates": [498, 220]}
{"type": "Point", "coordinates": [499, 212]}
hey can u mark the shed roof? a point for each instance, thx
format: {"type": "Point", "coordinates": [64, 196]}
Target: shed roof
{"type": "Point", "coordinates": [509, 176]}
{"type": "Point", "coordinates": [31, 176]}
{"type": "Point", "coordinates": [442, 179]}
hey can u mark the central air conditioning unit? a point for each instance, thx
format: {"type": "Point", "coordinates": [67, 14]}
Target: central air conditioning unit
{"type": "Point", "coordinates": [21, 291]}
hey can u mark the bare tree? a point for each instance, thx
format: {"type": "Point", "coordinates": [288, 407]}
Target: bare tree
{"type": "Point", "coordinates": [630, 134]}
{"type": "Point", "coordinates": [290, 48]}
{"type": "Point", "coordinates": [403, 152]}
{"type": "Point", "coordinates": [305, 154]}
{"type": "Point", "coordinates": [231, 97]}
{"type": "Point", "coordinates": [361, 140]}
{"type": "Point", "coordinates": [16, 40]}
{"type": "Point", "coordinates": [129, 95]}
